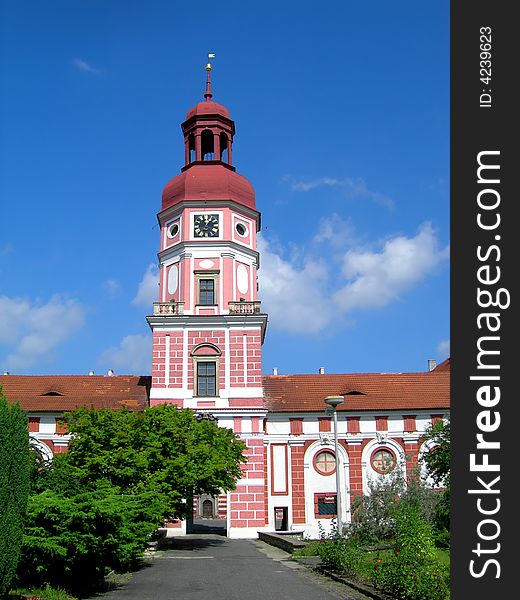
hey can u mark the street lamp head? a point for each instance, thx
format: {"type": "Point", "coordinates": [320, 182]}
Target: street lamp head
{"type": "Point", "coordinates": [334, 400]}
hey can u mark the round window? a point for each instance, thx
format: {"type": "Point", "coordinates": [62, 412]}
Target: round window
{"type": "Point", "coordinates": [173, 230]}
{"type": "Point", "coordinates": [325, 462]}
{"type": "Point", "coordinates": [241, 229]}
{"type": "Point", "coordinates": [383, 460]}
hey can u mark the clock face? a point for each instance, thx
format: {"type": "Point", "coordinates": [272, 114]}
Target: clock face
{"type": "Point", "coordinates": [205, 225]}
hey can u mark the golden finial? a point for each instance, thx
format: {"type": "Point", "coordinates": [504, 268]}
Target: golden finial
{"type": "Point", "coordinates": [208, 93]}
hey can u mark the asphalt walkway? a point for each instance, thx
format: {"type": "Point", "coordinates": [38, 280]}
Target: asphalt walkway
{"type": "Point", "coordinates": [209, 566]}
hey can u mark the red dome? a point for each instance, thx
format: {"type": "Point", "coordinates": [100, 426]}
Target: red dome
{"type": "Point", "coordinates": [208, 107]}
{"type": "Point", "coordinates": [208, 182]}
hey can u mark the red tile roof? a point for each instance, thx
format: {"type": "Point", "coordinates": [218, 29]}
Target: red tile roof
{"type": "Point", "coordinates": [362, 391]}
{"type": "Point", "coordinates": [445, 365]}
{"type": "Point", "coordinates": [59, 393]}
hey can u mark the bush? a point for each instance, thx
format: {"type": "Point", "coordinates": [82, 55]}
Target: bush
{"type": "Point", "coordinates": [71, 540]}
{"type": "Point", "coordinates": [340, 554]}
{"type": "Point", "coordinates": [374, 514]}
{"type": "Point", "coordinates": [412, 572]}
{"type": "Point", "coordinates": [14, 487]}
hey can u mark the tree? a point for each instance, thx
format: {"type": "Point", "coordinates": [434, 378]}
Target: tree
{"type": "Point", "coordinates": [163, 450]}
{"type": "Point", "coordinates": [437, 460]}
{"type": "Point", "coordinates": [74, 539]}
{"type": "Point", "coordinates": [96, 507]}
{"type": "Point", "coordinates": [437, 463]}
{"type": "Point", "coordinates": [14, 487]}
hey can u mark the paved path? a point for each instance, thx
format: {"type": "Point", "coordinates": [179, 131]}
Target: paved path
{"type": "Point", "coordinates": [212, 567]}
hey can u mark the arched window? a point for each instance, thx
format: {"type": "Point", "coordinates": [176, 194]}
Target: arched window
{"type": "Point", "coordinates": [206, 359]}
{"type": "Point", "coordinates": [224, 154]}
{"type": "Point", "coordinates": [207, 145]}
{"type": "Point", "coordinates": [191, 147]}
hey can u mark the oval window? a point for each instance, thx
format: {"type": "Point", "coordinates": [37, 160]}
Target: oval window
{"type": "Point", "coordinates": [173, 230]}
{"type": "Point", "coordinates": [241, 229]}
{"type": "Point", "coordinates": [383, 460]}
{"type": "Point", "coordinates": [325, 462]}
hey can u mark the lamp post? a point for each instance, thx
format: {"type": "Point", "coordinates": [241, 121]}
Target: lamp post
{"type": "Point", "coordinates": [334, 401]}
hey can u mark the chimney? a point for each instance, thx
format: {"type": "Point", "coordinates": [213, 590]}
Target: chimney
{"type": "Point", "coordinates": [275, 370]}
{"type": "Point", "coordinates": [7, 373]}
{"type": "Point", "coordinates": [91, 372]}
{"type": "Point", "coordinates": [321, 370]}
{"type": "Point", "coordinates": [110, 372]}
{"type": "Point", "coordinates": [431, 364]}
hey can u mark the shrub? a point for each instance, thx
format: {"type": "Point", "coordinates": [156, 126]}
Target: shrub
{"type": "Point", "coordinates": [340, 554]}
{"type": "Point", "coordinates": [14, 487]}
{"type": "Point", "coordinates": [71, 540]}
{"type": "Point", "coordinates": [374, 514]}
{"type": "Point", "coordinates": [412, 572]}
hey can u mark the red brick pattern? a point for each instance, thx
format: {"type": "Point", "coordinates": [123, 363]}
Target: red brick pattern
{"type": "Point", "coordinates": [296, 426]}
{"type": "Point", "coordinates": [248, 502]}
{"type": "Point", "coordinates": [266, 486]}
{"type": "Point", "coordinates": [411, 450]}
{"type": "Point", "coordinates": [237, 424]}
{"type": "Point", "coordinates": [355, 470]}
{"type": "Point", "coordinates": [353, 425]}
{"type": "Point", "coordinates": [409, 424]}
{"type": "Point", "coordinates": [222, 506]}
{"type": "Point", "coordinates": [34, 424]}
{"type": "Point", "coordinates": [381, 423]}
{"type": "Point", "coordinates": [298, 484]}
{"type": "Point", "coordinates": [252, 360]}
{"type": "Point", "coordinates": [61, 428]}
{"type": "Point", "coordinates": [324, 424]}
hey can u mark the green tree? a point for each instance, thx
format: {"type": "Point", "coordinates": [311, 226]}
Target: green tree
{"type": "Point", "coordinates": [73, 540]}
{"type": "Point", "coordinates": [14, 487]}
{"type": "Point", "coordinates": [163, 450]}
{"type": "Point", "coordinates": [437, 461]}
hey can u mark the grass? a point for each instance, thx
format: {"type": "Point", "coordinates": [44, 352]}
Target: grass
{"type": "Point", "coordinates": [311, 549]}
{"type": "Point", "coordinates": [46, 593]}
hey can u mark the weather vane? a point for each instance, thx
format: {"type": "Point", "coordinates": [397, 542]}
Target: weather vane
{"type": "Point", "coordinates": [208, 66]}
{"type": "Point", "coordinates": [208, 95]}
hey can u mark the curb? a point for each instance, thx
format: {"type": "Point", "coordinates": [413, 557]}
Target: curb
{"type": "Point", "coordinates": [364, 589]}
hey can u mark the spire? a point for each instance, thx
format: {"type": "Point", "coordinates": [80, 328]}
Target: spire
{"type": "Point", "coordinates": [208, 94]}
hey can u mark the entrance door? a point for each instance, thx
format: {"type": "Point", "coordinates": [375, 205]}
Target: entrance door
{"type": "Point", "coordinates": [207, 509]}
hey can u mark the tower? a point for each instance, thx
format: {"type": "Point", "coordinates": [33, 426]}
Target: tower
{"type": "Point", "coordinates": [207, 326]}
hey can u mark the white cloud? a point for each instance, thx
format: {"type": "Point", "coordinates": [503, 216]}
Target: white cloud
{"type": "Point", "coordinates": [443, 349]}
{"type": "Point", "coordinates": [377, 278]}
{"type": "Point", "coordinates": [132, 356]}
{"type": "Point", "coordinates": [148, 290]}
{"type": "Point", "coordinates": [83, 65]}
{"type": "Point", "coordinates": [300, 295]}
{"type": "Point", "coordinates": [294, 297]}
{"type": "Point", "coordinates": [335, 230]}
{"type": "Point", "coordinates": [352, 188]}
{"type": "Point", "coordinates": [31, 331]}
{"type": "Point", "coordinates": [113, 288]}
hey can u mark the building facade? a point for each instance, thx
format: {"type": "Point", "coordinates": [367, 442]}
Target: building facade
{"type": "Point", "coordinates": [208, 329]}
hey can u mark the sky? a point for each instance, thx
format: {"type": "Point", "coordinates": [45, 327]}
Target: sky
{"type": "Point", "coordinates": [342, 126]}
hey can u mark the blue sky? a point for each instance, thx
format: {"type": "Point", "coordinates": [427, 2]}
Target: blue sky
{"type": "Point", "coordinates": [342, 118]}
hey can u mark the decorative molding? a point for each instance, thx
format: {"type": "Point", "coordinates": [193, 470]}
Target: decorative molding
{"type": "Point", "coordinates": [382, 437]}
{"type": "Point", "coordinates": [326, 438]}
